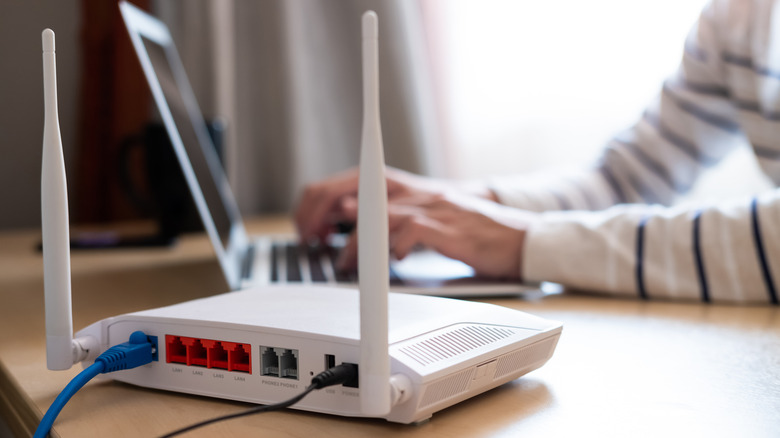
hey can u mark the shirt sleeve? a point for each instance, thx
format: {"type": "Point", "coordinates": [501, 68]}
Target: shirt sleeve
{"type": "Point", "coordinates": [610, 228]}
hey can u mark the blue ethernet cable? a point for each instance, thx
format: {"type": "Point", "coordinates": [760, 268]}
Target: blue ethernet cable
{"type": "Point", "coordinates": [136, 352]}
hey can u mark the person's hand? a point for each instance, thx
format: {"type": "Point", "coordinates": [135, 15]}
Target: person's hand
{"type": "Point", "coordinates": [323, 204]}
{"type": "Point", "coordinates": [487, 236]}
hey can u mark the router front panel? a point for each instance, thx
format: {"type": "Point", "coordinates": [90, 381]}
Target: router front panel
{"type": "Point", "coordinates": [246, 365]}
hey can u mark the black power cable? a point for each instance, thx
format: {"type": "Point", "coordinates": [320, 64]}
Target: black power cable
{"type": "Point", "coordinates": [334, 376]}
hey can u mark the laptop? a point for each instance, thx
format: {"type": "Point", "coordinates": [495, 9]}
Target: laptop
{"type": "Point", "coordinates": [268, 259]}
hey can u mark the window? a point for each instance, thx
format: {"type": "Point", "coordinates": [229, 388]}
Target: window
{"type": "Point", "coordinates": [527, 84]}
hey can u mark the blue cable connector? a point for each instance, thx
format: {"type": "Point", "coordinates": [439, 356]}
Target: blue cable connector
{"type": "Point", "coordinates": [139, 350]}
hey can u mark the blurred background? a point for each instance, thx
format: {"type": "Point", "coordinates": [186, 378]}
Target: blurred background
{"type": "Point", "coordinates": [470, 88]}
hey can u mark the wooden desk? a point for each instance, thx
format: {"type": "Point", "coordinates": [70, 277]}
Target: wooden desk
{"type": "Point", "coordinates": [622, 368]}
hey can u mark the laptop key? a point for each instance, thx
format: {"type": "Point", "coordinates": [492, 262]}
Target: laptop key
{"type": "Point", "coordinates": [341, 276]}
{"type": "Point", "coordinates": [274, 263]}
{"type": "Point", "coordinates": [293, 267]}
{"type": "Point", "coordinates": [314, 253]}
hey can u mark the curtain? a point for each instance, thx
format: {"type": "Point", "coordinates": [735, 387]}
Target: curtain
{"type": "Point", "coordinates": [113, 105]}
{"type": "Point", "coordinates": [293, 94]}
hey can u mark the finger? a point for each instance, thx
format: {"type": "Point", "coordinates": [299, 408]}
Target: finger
{"type": "Point", "coordinates": [349, 209]}
{"type": "Point", "coordinates": [414, 199]}
{"type": "Point", "coordinates": [318, 202]}
{"type": "Point", "coordinates": [406, 236]}
{"type": "Point", "coordinates": [394, 179]}
{"type": "Point", "coordinates": [411, 230]}
{"type": "Point", "coordinates": [433, 206]}
{"type": "Point", "coordinates": [319, 207]}
{"type": "Point", "coordinates": [348, 254]}
{"type": "Point", "coordinates": [433, 203]}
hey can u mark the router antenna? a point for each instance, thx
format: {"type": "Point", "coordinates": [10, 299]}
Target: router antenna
{"type": "Point", "coordinates": [372, 226]}
{"type": "Point", "coordinates": [61, 349]}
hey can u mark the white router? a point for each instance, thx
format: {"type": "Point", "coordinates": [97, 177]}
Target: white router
{"type": "Point", "coordinates": [415, 354]}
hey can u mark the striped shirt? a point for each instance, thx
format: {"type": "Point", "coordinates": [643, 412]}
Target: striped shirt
{"type": "Point", "coordinates": [611, 228]}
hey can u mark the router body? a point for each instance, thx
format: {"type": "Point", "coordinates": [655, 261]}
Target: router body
{"type": "Point", "coordinates": [263, 345]}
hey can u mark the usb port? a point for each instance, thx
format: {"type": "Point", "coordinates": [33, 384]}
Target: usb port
{"type": "Point", "coordinates": [330, 361]}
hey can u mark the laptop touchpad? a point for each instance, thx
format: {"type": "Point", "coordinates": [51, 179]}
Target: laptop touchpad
{"type": "Point", "coordinates": [430, 265]}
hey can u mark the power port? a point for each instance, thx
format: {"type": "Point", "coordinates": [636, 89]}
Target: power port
{"type": "Point", "coordinates": [355, 382]}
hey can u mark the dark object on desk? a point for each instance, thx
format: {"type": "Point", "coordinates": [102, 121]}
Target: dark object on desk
{"type": "Point", "coordinates": [151, 177]}
{"type": "Point", "coordinates": [112, 239]}
{"type": "Point", "coordinates": [158, 190]}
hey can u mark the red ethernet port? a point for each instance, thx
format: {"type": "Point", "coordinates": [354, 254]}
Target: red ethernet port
{"type": "Point", "coordinates": [217, 357]}
{"type": "Point", "coordinates": [209, 353]}
{"type": "Point", "coordinates": [239, 356]}
{"type": "Point", "coordinates": [196, 353]}
{"type": "Point", "coordinates": [175, 351]}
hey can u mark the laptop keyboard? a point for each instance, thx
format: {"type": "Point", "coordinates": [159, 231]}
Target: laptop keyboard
{"type": "Point", "coordinates": [294, 263]}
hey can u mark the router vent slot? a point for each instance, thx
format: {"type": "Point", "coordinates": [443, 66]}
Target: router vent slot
{"type": "Point", "coordinates": [455, 342]}
{"type": "Point", "coordinates": [446, 388]}
{"type": "Point", "coordinates": [523, 358]}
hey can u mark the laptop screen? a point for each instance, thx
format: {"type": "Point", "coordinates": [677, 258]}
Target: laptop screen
{"type": "Point", "coordinates": [190, 139]}
{"type": "Point", "coordinates": [200, 149]}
